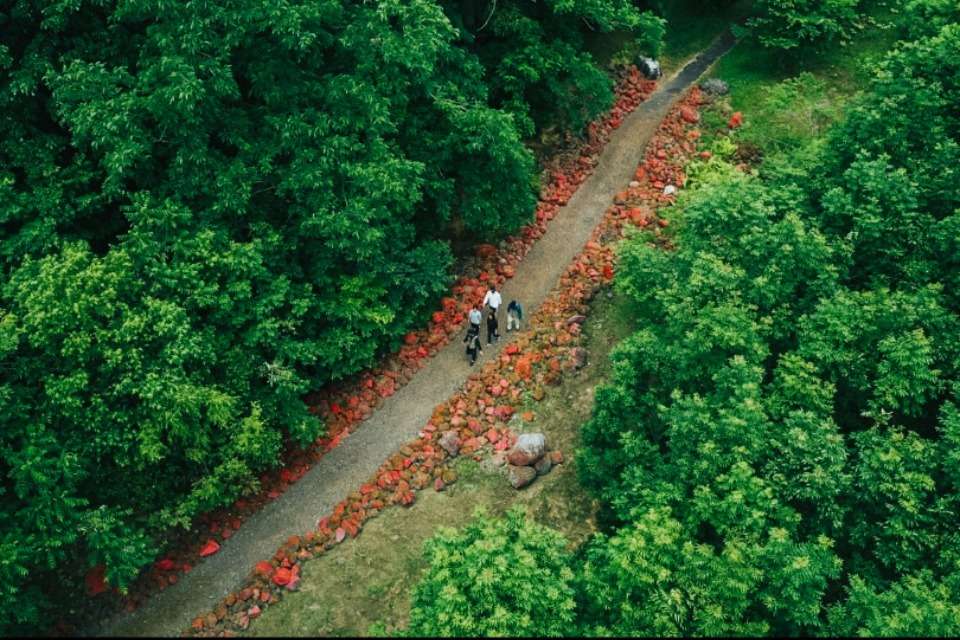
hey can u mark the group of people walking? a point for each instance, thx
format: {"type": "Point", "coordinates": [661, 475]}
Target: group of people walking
{"type": "Point", "coordinates": [491, 302]}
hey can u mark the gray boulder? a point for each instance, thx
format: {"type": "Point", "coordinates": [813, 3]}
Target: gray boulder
{"type": "Point", "coordinates": [530, 447]}
{"type": "Point", "coordinates": [543, 466]}
{"type": "Point", "coordinates": [650, 68]}
{"type": "Point", "coordinates": [715, 87]}
{"type": "Point", "coordinates": [450, 441]}
{"type": "Point", "coordinates": [520, 476]}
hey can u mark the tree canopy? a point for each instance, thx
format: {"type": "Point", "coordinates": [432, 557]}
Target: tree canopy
{"type": "Point", "coordinates": [776, 448]}
{"type": "Point", "coordinates": [208, 210]}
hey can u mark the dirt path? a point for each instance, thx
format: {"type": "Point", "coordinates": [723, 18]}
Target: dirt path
{"type": "Point", "coordinates": [403, 415]}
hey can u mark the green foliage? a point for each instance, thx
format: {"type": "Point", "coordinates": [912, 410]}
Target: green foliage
{"type": "Point", "coordinates": [534, 57]}
{"type": "Point", "coordinates": [801, 24]}
{"type": "Point", "coordinates": [777, 447]}
{"type": "Point", "coordinates": [917, 606]}
{"type": "Point", "coordinates": [496, 577]}
{"type": "Point", "coordinates": [208, 210]}
{"type": "Point", "coordinates": [922, 18]}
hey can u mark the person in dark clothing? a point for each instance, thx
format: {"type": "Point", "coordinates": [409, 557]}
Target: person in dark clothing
{"type": "Point", "coordinates": [473, 342]}
{"type": "Point", "coordinates": [514, 315]}
{"type": "Point", "coordinates": [492, 325]}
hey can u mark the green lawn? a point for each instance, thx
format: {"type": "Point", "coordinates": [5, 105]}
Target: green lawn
{"type": "Point", "coordinates": [787, 101]}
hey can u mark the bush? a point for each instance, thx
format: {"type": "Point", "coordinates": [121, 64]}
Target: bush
{"type": "Point", "coordinates": [777, 444]}
{"type": "Point", "coordinates": [801, 24]}
{"type": "Point", "coordinates": [496, 577]}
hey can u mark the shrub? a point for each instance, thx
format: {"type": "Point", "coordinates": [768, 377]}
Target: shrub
{"type": "Point", "coordinates": [496, 577]}
{"type": "Point", "coordinates": [801, 24]}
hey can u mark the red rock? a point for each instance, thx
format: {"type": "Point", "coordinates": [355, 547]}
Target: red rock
{"type": "Point", "coordinates": [282, 576]}
{"type": "Point", "coordinates": [485, 250]}
{"type": "Point", "coordinates": [95, 581]}
{"type": "Point", "coordinates": [254, 612]}
{"type": "Point", "coordinates": [264, 596]}
{"type": "Point", "coordinates": [245, 594]}
{"type": "Point", "coordinates": [166, 564]}
{"type": "Point", "coordinates": [352, 527]}
{"type": "Point", "coordinates": [492, 435]}
{"type": "Point", "coordinates": [197, 624]}
{"type": "Point", "coordinates": [210, 548]}
{"type": "Point", "coordinates": [411, 338]}
{"type": "Point", "coordinates": [735, 120]}
{"type": "Point", "coordinates": [340, 534]}
{"type": "Point", "coordinates": [556, 457]}
{"type": "Point", "coordinates": [263, 569]}
{"type": "Point", "coordinates": [523, 367]}
{"type": "Point", "coordinates": [689, 114]}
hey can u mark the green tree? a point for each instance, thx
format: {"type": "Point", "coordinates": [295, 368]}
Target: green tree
{"type": "Point", "coordinates": [801, 24]}
{"type": "Point", "coordinates": [917, 605]}
{"type": "Point", "coordinates": [208, 210]}
{"type": "Point", "coordinates": [776, 446]}
{"type": "Point", "coordinates": [496, 577]}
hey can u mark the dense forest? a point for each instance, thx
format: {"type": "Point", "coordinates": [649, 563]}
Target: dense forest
{"type": "Point", "coordinates": [209, 209]}
{"type": "Point", "coordinates": [777, 450]}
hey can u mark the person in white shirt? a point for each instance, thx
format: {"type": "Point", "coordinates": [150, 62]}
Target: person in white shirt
{"type": "Point", "coordinates": [492, 299]}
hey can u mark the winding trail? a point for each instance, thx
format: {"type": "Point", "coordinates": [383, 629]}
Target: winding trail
{"type": "Point", "coordinates": [401, 416]}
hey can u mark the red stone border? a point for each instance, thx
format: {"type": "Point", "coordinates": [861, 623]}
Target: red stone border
{"type": "Point", "coordinates": [479, 412]}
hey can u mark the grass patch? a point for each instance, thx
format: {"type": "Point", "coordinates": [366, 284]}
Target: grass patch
{"type": "Point", "coordinates": [363, 587]}
{"type": "Point", "coordinates": [788, 102]}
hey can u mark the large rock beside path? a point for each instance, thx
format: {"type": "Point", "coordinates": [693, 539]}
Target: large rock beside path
{"type": "Point", "coordinates": [530, 447]}
{"type": "Point", "coordinates": [715, 87]}
{"type": "Point", "coordinates": [520, 476]}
